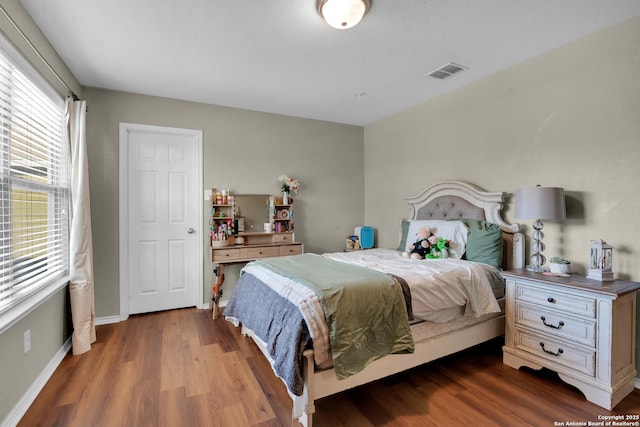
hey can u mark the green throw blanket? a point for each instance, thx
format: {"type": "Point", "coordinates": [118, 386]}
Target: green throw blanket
{"type": "Point", "coordinates": [365, 309]}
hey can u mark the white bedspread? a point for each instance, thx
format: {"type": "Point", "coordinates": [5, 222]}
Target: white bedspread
{"type": "Point", "coordinates": [439, 288]}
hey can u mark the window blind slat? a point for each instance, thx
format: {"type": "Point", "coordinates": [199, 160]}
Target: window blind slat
{"type": "Point", "coordinates": [34, 193]}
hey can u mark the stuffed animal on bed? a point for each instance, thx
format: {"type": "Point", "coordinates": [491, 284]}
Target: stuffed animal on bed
{"type": "Point", "coordinates": [439, 250]}
{"type": "Point", "coordinates": [422, 246]}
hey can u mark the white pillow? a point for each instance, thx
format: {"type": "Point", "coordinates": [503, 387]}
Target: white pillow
{"type": "Point", "coordinates": [454, 231]}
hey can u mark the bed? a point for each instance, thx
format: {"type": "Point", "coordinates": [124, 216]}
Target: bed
{"type": "Point", "coordinates": [314, 361]}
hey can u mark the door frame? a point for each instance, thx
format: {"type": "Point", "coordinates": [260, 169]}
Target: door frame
{"type": "Point", "coordinates": [125, 130]}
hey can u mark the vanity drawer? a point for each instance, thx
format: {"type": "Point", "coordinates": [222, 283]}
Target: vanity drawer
{"type": "Point", "coordinates": [260, 252]}
{"type": "Point", "coordinates": [222, 255]}
{"type": "Point", "coordinates": [290, 250]}
{"type": "Point", "coordinates": [558, 324]}
{"type": "Point", "coordinates": [282, 237]}
{"type": "Point", "coordinates": [556, 352]}
{"type": "Point", "coordinates": [551, 298]}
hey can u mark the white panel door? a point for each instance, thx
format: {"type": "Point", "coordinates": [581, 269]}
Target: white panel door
{"type": "Point", "coordinates": [163, 219]}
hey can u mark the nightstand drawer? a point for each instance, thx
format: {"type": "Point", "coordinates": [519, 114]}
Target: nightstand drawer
{"type": "Point", "coordinates": [290, 250]}
{"type": "Point", "coordinates": [556, 352]}
{"type": "Point", "coordinates": [558, 324]}
{"type": "Point", "coordinates": [551, 298]}
{"type": "Point", "coordinates": [261, 252]}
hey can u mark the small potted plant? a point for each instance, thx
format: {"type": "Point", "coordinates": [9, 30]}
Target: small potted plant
{"type": "Point", "coordinates": [559, 265]}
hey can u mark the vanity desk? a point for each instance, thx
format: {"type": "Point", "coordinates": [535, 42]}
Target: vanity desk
{"type": "Point", "coordinates": [251, 245]}
{"type": "Point", "coordinates": [256, 245]}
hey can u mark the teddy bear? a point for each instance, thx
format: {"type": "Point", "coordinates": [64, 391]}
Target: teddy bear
{"type": "Point", "coordinates": [422, 246]}
{"type": "Point", "coordinates": [439, 250]}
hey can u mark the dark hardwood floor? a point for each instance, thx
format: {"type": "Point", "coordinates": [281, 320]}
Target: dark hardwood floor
{"type": "Point", "coordinates": [181, 368]}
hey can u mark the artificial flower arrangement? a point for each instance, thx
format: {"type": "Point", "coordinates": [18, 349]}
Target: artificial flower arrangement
{"type": "Point", "coordinates": [288, 185]}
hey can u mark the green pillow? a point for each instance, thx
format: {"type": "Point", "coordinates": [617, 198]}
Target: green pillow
{"type": "Point", "coordinates": [404, 230]}
{"type": "Point", "coordinates": [484, 243]}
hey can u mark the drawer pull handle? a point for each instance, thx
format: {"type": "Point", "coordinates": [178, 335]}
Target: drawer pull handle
{"type": "Point", "coordinates": [558, 353]}
{"type": "Point", "coordinates": [551, 300]}
{"type": "Point", "coordinates": [560, 324]}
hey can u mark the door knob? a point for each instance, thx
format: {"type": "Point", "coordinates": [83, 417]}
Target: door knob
{"type": "Point", "coordinates": [190, 230]}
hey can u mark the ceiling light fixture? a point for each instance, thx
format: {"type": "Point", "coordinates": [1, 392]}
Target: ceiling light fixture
{"type": "Point", "coordinates": [343, 14]}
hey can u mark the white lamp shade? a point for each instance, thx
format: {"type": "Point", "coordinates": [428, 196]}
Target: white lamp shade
{"type": "Point", "coordinates": [343, 14]}
{"type": "Point", "coordinates": [540, 203]}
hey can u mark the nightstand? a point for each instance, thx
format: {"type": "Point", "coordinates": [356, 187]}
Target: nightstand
{"type": "Point", "coordinates": [580, 328]}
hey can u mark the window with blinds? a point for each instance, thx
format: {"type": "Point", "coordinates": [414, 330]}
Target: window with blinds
{"type": "Point", "coordinates": [34, 191]}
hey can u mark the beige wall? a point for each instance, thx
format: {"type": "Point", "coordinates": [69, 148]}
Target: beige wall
{"type": "Point", "coordinates": [568, 118]}
{"type": "Point", "coordinates": [50, 326]}
{"type": "Point", "coordinates": [48, 322]}
{"type": "Point", "coordinates": [244, 151]}
{"type": "Point", "coordinates": [23, 21]}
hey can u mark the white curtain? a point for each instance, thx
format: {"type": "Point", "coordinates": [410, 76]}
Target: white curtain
{"type": "Point", "coordinates": [81, 242]}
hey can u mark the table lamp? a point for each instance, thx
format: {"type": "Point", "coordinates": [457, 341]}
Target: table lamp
{"type": "Point", "coordinates": [539, 203]}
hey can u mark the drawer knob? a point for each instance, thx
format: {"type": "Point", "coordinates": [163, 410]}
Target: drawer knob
{"type": "Point", "coordinates": [551, 300]}
{"type": "Point", "coordinates": [560, 324]}
{"type": "Point", "coordinates": [558, 353]}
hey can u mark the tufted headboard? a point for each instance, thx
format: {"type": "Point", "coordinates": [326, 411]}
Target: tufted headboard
{"type": "Point", "coordinates": [460, 200]}
{"type": "Point", "coordinates": [449, 207]}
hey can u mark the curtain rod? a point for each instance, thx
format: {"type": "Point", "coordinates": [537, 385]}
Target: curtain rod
{"type": "Point", "coordinates": [37, 52]}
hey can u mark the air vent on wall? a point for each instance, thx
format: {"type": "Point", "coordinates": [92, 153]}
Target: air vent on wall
{"type": "Point", "coordinates": [447, 70]}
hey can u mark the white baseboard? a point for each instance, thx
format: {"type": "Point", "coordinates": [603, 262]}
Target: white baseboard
{"type": "Point", "coordinates": [107, 320]}
{"type": "Point", "coordinates": [207, 306]}
{"type": "Point", "coordinates": [18, 411]}
{"type": "Point", "coordinates": [36, 387]}
{"type": "Point", "coordinates": [637, 383]}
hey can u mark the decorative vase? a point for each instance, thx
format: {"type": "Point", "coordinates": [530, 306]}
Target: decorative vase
{"type": "Point", "coordinates": [285, 198]}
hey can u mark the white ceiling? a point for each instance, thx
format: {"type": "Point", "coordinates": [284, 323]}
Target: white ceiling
{"type": "Point", "coordinates": [279, 56]}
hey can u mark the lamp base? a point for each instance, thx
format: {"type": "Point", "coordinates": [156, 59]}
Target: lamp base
{"type": "Point", "coordinates": [537, 269]}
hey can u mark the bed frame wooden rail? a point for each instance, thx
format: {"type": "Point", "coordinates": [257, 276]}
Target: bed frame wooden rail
{"type": "Point", "coordinates": [444, 200]}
